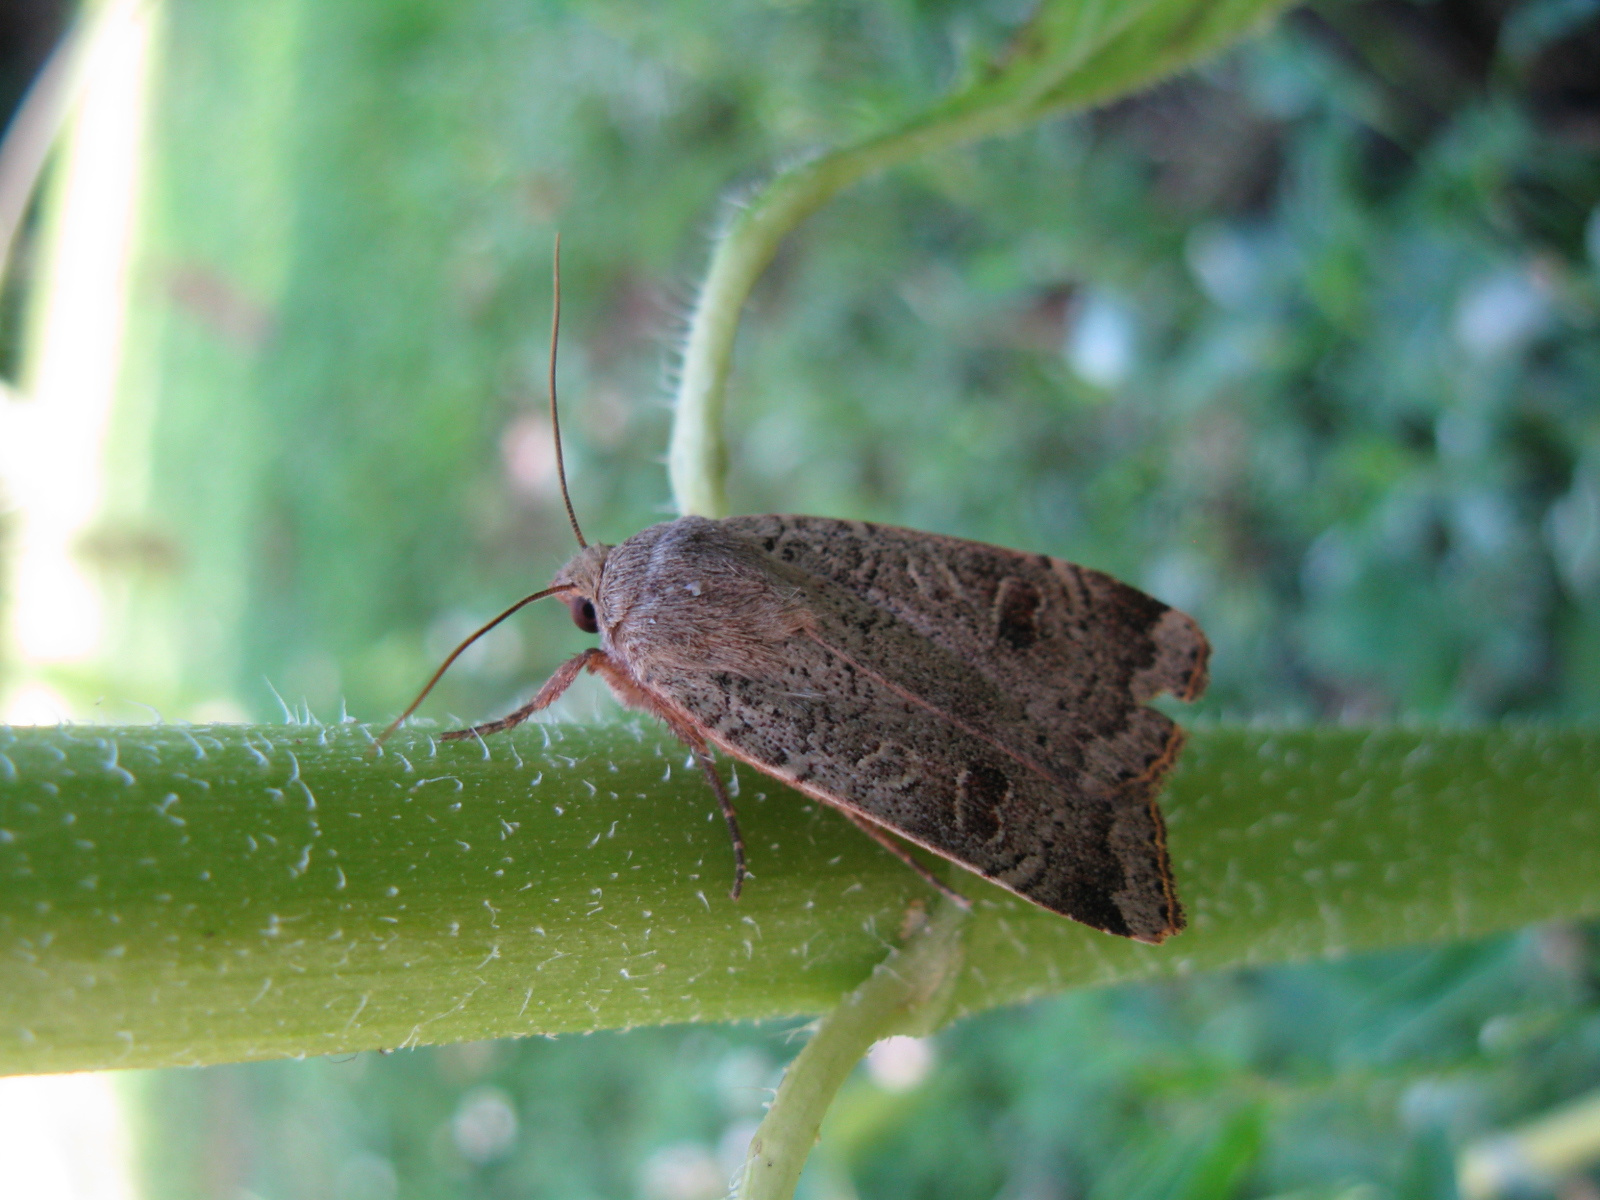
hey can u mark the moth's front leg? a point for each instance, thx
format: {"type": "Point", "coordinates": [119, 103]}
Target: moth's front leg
{"type": "Point", "coordinates": [631, 693]}
{"type": "Point", "coordinates": [548, 694]}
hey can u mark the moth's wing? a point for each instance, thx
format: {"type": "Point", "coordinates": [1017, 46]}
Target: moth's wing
{"type": "Point", "coordinates": [1079, 651]}
{"type": "Point", "coordinates": [847, 734]}
{"type": "Point", "coordinates": [863, 710]}
{"type": "Point", "coordinates": [1076, 644]}
{"type": "Point", "coordinates": [1039, 660]}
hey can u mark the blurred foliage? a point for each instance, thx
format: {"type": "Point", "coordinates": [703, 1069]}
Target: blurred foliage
{"type": "Point", "coordinates": [1304, 342]}
{"type": "Point", "coordinates": [1319, 1083]}
{"type": "Point", "coordinates": [568, 1118]}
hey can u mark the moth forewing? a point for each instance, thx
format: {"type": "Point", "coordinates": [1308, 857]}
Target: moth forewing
{"type": "Point", "coordinates": [855, 705]}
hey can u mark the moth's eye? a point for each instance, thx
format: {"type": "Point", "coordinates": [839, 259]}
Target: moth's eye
{"type": "Point", "coordinates": [583, 616]}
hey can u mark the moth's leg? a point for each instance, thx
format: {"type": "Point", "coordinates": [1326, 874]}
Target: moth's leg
{"type": "Point", "coordinates": [728, 815]}
{"type": "Point", "coordinates": [636, 696]}
{"type": "Point", "coordinates": [881, 836]}
{"type": "Point", "coordinates": [552, 689]}
{"type": "Point", "coordinates": [629, 691]}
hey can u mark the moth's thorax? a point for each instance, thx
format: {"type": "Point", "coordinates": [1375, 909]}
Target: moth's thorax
{"type": "Point", "coordinates": [693, 595]}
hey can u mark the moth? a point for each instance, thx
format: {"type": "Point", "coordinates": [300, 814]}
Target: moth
{"type": "Point", "coordinates": [985, 704]}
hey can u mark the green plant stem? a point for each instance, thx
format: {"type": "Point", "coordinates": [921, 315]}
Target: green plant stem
{"type": "Point", "coordinates": [1072, 54]}
{"type": "Point", "coordinates": [172, 895]}
{"type": "Point", "coordinates": [908, 992]}
{"type": "Point", "coordinates": [1535, 1157]}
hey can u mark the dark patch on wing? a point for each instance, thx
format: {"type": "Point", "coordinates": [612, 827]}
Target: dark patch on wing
{"type": "Point", "coordinates": [1088, 891]}
{"type": "Point", "coordinates": [1136, 613]}
{"type": "Point", "coordinates": [1084, 902]}
{"type": "Point", "coordinates": [981, 791]}
{"type": "Point", "coordinates": [1016, 613]}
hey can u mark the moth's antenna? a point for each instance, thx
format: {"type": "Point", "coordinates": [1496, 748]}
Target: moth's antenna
{"type": "Point", "coordinates": [456, 653]}
{"type": "Point", "coordinates": [555, 420]}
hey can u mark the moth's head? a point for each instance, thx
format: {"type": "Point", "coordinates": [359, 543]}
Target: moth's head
{"type": "Point", "coordinates": [581, 576]}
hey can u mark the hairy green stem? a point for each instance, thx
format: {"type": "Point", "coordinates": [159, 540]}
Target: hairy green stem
{"type": "Point", "coordinates": [1072, 54]}
{"type": "Point", "coordinates": [908, 992]}
{"type": "Point", "coordinates": [697, 455]}
{"type": "Point", "coordinates": [173, 895]}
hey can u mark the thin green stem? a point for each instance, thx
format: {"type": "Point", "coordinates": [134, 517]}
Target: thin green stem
{"type": "Point", "coordinates": [908, 992]}
{"type": "Point", "coordinates": [1072, 54]}
{"type": "Point", "coordinates": [697, 455]}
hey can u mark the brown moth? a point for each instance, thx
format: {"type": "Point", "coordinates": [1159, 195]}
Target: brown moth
{"type": "Point", "coordinates": [982, 703]}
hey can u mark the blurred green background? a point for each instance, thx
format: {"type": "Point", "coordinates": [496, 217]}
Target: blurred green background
{"type": "Point", "coordinates": [1304, 342]}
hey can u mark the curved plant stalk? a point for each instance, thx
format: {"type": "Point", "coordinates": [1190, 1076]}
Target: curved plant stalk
{"type": "Point", "coordinates": [32, 133]}
{"type": "Point", "coordinates": [908, 992]}
{"type": "Point", "coordinates": [34, 130]}
{"type": "Point", "coordinates": [184, 896]}
{"type": "Point", "coordinates": [1071, 54]}
{"type": "Point", "coordinates": [1537, 1156]}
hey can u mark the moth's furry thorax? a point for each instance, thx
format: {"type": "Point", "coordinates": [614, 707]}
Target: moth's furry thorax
{"type": "Point", "coordinates": [693, 595]}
